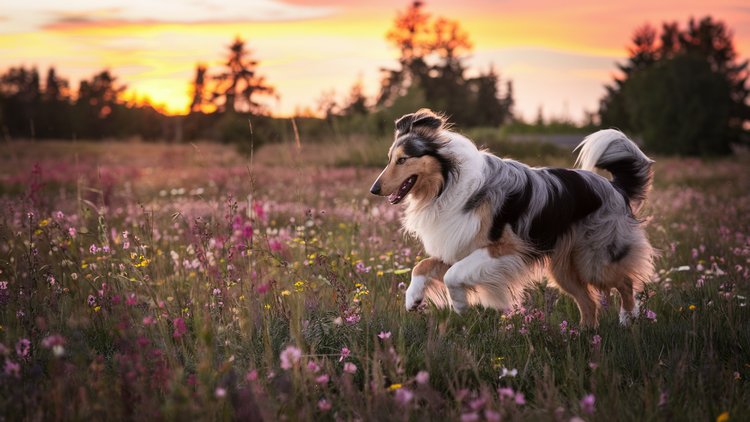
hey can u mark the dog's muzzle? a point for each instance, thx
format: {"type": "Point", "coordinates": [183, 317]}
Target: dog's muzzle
{"type": "Point", "coordinates": [375, 189]}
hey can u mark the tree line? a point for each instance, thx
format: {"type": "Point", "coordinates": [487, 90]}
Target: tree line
{"type": "Point", "coordinates": [681, 91]}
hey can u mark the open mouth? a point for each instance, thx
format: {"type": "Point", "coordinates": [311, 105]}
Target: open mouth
{"type": "Point", "coordinates": [397, 196]}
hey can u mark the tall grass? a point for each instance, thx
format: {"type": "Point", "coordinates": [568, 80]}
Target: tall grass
{"type": "Point", "coordinates": [221, 293]}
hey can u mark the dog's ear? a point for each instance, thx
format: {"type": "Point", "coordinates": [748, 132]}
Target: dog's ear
{"type": "Point", "coordinates": [422, 118]}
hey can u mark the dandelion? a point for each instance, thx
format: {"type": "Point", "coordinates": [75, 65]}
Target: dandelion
{"type": "Point", "coordinates": [423, 377]}
{"type": "Point", "coordinates": [350, 368]}
{"type": "Point", "coordinates": [384, 335]}
{"type": "Point", "coordinates": [588, 403]}
{"type": "Point", "coordinates": [289, 357]}
{"type": "Point", "coordinates": [324, 405]}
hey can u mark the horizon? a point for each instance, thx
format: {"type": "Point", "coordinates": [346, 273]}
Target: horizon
{"type": "Point", "coordinates": [558, 58]}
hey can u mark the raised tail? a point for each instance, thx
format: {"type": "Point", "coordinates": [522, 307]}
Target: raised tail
{"type": "Point", "coordinates": [611, 150]}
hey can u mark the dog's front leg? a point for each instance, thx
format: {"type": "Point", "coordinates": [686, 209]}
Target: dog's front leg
{"type": "Point", "coordinates": [422, 273]}
{"type": "Point", "coordinates": [483, 266]}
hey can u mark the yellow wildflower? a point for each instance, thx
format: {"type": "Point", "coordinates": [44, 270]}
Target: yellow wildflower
{"type": "Point", "coordinates": [692, 307]}
{"type": "Point", "coordinates": [285, 292]}
{"type": "Point", "coordinates": [299, 286]}
{"type": "Point", "coordinates": [394, 387]}
{"type": "Point", "coordinates": [44, 223]}
{"type": "Point", "coordinates": [724, 417]}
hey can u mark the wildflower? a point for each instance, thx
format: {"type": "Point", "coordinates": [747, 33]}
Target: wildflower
{"type": "Point", "coordinates": [322, 379]}
{"type": "Point", "coordinates": [361, 268]}
{"type": "Point", "coordinates": [105, 248]}
{"type": "Point", "coordinates": [252, 375]}
{"type": "Point", "coordinates": [650, 315]}
{"type": "Point", "coordinates": [394, 386]}
{"type": "Point", "coordinates": [12, 368]}
{"type": "Point", "coordinates": [179, 327]}
{"type": "Point", "coordinates": [289, 357]}
{"type": "Point", "coordinates": [51, 280]}
{"type": "Point", "coordinates": [220, 392]}
{"type": "Point", "coordinates": [350, 368]}
{"type": "Point", "coordinates": [313, 367]}
{"type": "Point", "coordinates": [505, 392]}
{"type": "Point", "coordinates": [74, 276]}
{"type": "Point", "coordinates": [91, 300]}
{"type": "Point", "coordinates": [72, 232]}
{"type": "Point", "coordinates": [324, 405]}
{"type": "Point", "coordinates": [663, 397]}
{"type": "Point", "coordinates": [126, 244]}
{"type": "Point", "coordinates": [505, 372]}
{"type": "Point", "coordinates": [596, 340]}
{"type": "Point", "coordinates": [469, 417]}
{"type": "Point", "coordinates": [44, 223]}
{"type": "Point", "coordinates": [92, 249]}
{"type": "Point", "coordinates": [148, 320]}
{"type": "Point", "coordinates": [23, 347]}
{"type": "Point", "coordinates": [345, 352]}
{"type": "Point", "coordinates": [423, 377]}
{"type": "Point", "coordinates": [384, 335]}
{"type": "Point", "coordinates": [352, 319]}
{"type": "Point", "coordinates": [692, 307]}
{"type": "Point", "coordinates": [563, 326]}
{"type": "Point", "coordinates": [52, 341]}
{"type": "Point", "coordinates": [3, 285]}
{"type": "Point", "coordinates": [588, 403]}
{"type": "Point", "coordinates": [723, 417]}
{"type": "Point", "coordinates": [491, 415]}
{"type": "Point", "coordinates": [520, 399]}
{"type": "Point", "coordinates": [216, 292]}
{"type": "Point", "coordinates": [403, 396]}
{"type": "Point", "coordinates": [299, 286]}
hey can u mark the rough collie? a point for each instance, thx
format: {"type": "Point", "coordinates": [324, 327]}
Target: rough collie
{"type": "Point", "coordinates": [491, 226]}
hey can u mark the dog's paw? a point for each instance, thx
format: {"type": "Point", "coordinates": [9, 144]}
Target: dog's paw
{"type": "Point", "coordinates": [415, 294]}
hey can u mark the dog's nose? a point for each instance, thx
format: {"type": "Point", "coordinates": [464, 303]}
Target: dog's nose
{"type": "Point", "coordinates": [375, 189]}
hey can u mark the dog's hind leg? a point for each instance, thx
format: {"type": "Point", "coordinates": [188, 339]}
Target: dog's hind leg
{"type": "Point", "coordinates": [570, 281]}
{"type": "Point", "coordinates": [421, 275]}
{"type": "Point", "coordinates": [495, 274]}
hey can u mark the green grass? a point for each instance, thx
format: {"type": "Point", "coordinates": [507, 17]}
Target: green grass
{"type": "Point", "coordinates": [322, 271]}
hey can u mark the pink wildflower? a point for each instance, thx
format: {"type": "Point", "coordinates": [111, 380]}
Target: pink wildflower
{"type": "Point", "coordinates": [404, 396]}
{"type": "Point", "coordinates": [423, 377]}
{"type": "Point", "coordinates": [384, 335]}
{"type": "Point", "coordinates": [12, 368]}
{"type": "Point", "coordinates": [651, 315]}
{"type": "Point", "coordinates": [324, 405]}
{"type": "Point", "coordinates": [588, 403]}
{"type": "Point", "coordinates": [289, 357]}
{"type": "Point", "coordinates": [350, 368]}
{"type": "Point", "coordinates": [345, 352]}
{"type": "Point", "coordinates": [322, 379]}
{"type": "Point", "coordinates": [179, 327]}
{"type": "Point", "coordinates": [23, 347]}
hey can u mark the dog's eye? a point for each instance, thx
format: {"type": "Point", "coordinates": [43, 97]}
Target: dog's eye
{"type": "Point", "coordinates": [401, 160]}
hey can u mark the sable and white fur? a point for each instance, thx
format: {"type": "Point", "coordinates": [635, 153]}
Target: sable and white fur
{"type": "Point", "coordinates": [491, 226]}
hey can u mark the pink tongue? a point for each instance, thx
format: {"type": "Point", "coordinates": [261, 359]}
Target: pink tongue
{"type": "Point", "coordinates": [392, 197]}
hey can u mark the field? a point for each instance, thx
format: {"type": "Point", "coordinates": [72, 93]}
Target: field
{"type": "Point", "coordinates": [180, 282]}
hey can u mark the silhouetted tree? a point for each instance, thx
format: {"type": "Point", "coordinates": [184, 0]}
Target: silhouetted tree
{"type": "Point", "coordinates": [357, 101]}
{"type": "Point", "coordinates": [21, 94]}
{"type": "Point", "coordinates": [199, 89]}
{"type": "Point", "coordinates": [97, 105]}
{"type": "Point", "coordinates": [239, 85]}
{"type": "Point", "coordinates": [687, 94]}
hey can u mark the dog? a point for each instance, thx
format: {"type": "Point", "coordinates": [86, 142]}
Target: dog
{"type": "Point", "coordinates": [492, 226]}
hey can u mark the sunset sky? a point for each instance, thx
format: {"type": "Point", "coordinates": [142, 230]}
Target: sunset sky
{"type": "Point", "coordinates": [558, 54]}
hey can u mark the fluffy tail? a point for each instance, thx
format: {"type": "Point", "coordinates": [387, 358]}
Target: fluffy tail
{"type": "Point", "coordinates": [611, 150]}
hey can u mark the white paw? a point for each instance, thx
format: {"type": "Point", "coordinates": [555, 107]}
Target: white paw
{"type": "Point", "coordinates": [415, 293]}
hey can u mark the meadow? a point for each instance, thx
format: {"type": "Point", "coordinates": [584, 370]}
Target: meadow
{"type": "Point", "coordinates": [179, 282]}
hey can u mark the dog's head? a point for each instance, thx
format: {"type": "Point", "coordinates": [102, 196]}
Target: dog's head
{"type": "Point", "coordinates": [417, 165]}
